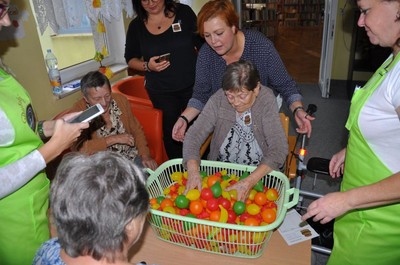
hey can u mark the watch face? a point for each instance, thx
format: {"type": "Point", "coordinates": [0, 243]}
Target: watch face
{"type": "Point", "coordinates": [30, 117]}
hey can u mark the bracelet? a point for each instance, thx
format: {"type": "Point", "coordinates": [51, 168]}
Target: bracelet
{"type": "Point", "coordinates": [184, 118]}
{"type": "Point", "coordinates": [146, 66]}
{"type": "Point", "coordinates": [40, 130]}
{"type": "Point", "coordinates": [296, 109]}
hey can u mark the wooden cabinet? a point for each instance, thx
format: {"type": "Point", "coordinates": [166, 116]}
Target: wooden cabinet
{"type": "Point", "coordinates": [260, 15]}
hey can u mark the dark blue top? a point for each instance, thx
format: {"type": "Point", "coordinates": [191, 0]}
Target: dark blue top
{"type": "Point", "coordinates": [260, 51]}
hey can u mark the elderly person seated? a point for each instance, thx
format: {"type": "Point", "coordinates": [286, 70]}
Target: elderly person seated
{"type": "Point", "coordinates": [99, 204]}
{"type": "Point", "coordinates": [246, 126]}
{"type": "Point", "coordinates": [116, 129]}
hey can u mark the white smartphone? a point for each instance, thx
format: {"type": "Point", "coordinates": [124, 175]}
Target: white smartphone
{"type": "Point", "coordinates": [89, 114]}
{"type": "Point", "coordinates": [163, 57]}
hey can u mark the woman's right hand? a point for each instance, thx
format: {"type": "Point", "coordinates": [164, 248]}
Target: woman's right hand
{"type": "Point", "coordinates": [336, 165]}
{"type": "Point", "coordinates": [153, 66]}
{"type": "Point", "coordinates": [193, 181]}
{"type": "Point", "coordinates": [179, 129]}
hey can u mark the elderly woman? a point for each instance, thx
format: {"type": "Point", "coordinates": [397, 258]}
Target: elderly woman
{"type": "Point", "coordinates": [99, 204]}
{"type": "Point", "coordinates": [247, 129]}
{"type": "Point", "coordinates": [118, 129]}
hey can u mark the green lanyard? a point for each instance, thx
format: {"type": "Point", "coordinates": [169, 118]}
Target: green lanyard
{"type": "Point", "coordinates": [361, 95]}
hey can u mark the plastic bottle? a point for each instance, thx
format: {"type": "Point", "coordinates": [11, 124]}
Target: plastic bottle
{"type": "Point", "coordinates": [54, 74]}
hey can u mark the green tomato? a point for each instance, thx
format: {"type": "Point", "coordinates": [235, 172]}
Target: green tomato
{"type": "Point", "coordinates": [182, 202]}
{"type": "Point", "coordinates": [160, 199]}
{"type": "Point", "coordinates": [239, 207]}
{"type": "Point", "coordinates": [203, 174]}
{"type": "Point", "coordinates": [244, 175]}
{"type": "Point", "coordinates": [259, 186]}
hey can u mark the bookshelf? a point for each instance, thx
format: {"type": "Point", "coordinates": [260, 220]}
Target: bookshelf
{"type": "Point", "coordinates": [300, 12]}
{"type": "Point", "coordinates": [260, 15]}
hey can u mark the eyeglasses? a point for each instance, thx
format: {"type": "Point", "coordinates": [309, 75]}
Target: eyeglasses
{"type": "Point", "coordinates": [3, 10]}
{"type": "Point", "coordinates": [147, 2]}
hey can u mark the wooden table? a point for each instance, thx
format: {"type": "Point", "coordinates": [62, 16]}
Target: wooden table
{"type": "Point", "coordinates": [155, 251]}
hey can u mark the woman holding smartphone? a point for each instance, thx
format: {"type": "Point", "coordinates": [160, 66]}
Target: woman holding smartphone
{"type": "Point", "coordinates": [164, 27]}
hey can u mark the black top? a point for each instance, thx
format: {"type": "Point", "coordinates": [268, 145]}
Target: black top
{"type": "Point", "coordinates": [181, 44]}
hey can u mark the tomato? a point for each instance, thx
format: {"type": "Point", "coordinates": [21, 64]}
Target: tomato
{"type": "Point", "coordinates": [212, 204]}
{"type": "Point", "coordinates": [244, 216]}
{"type": "Point", "coordinates": [196, 207]}
{"type": "Point", "coordinates": [268, 215]}
{"type": "Point", "coordinates": [203, 174]}
{"type": "Point", "coordinates": [166, 202]}
{"type": "Point", "coordinates": [212, 180]}
{"type": "Point", "coordinates": [259, 186]}
{"type": "Point", "coordinates": [270, 205]}
{"type": "Point", "coordinates": [184, 212]}
{"type": "Point", "coordinates": [231, 216]}
{"type": "Point", "coordinates": [169, 209]}
{"type": "Point", "coordinates": [272, 194]}
{"type": "Point", "coordinates": [239, 207]}
{"type": "Point", "coordinates": [260, 198]}
{"type": "Point", "coordinates": [252, 194]}
{"type": "Point", "coordinates": [252, 221]}
{"type": "Point", "coordinates": [182, 202]}
{"type": "Point", "coordinates": [253, 209]}
{"type": "Point", "coordinates": [206, 194]}
{"type": "Point", "coordinates": [193, 194]}
{"type": "Point", "coordinates": [153, 201]}
{"type": "Point", "coordinates": [224, 202]}
{"type": "Point", "coordinates": [215, 215]}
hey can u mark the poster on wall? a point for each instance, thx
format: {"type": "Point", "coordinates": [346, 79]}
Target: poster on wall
{"type": "Point", "coordinates": [16, 29]}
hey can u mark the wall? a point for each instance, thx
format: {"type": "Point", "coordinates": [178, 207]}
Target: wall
{"type": "Point", "coordinates": [24, 56]}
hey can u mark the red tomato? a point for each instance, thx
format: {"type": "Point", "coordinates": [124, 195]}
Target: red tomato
{"type": "Point", "coordinates": [224, 202]}
{"type": "Point", "coordinates": [244, 216]}
{"type": "Point", "coordinates": [231, 216]}
{"type": "Point", "coordinates": [212, 204]}
{"type": "Point", "coordinates": [269, 205]}
{"type": "Point", "coordinates": [206, 194]}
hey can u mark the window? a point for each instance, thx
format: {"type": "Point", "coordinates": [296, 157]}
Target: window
{"type": "Point", "coordinates": [75, 44]}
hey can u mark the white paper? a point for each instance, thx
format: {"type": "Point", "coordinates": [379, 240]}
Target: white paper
{"type": "Point", "coordinates": [294, 231]}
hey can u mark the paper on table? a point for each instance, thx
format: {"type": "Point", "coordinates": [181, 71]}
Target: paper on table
{"type": "Point", "coordinates": [294, 231]}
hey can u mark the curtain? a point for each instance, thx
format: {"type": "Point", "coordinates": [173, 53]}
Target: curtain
{"type": "Point", "coordinates": [58, 14]}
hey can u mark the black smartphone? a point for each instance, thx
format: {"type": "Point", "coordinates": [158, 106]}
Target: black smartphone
{"type": "Point", "coordinates": [89, 114]}
{"type": "Point", "coordinates": [163, 57]}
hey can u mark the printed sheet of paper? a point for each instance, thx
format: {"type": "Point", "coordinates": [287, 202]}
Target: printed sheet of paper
{"type": "Point", "coordinates": [294, 231]}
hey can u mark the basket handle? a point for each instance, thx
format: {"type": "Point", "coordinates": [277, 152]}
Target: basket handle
{"type": "Point", "coordinates": [151, 172]}
{"type": "Point", "coordinates": [295, 199]}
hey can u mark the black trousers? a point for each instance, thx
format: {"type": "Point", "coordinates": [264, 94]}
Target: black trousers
{"type": "Point", "coordinates": [172, 104]}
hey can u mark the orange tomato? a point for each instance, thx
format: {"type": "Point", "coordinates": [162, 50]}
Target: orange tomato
{"type": "Point", "coordinates": [252, 221]}
{"type": "Point", "coordinates": [153, 201]}
{"type": "Point", "coordinates": [166, 202]}
{"type": "Point", "coordinates": [260, 198]}
{"type": "Point", "coordinates": [268, 215]}
{"type": "Point", "coordinates": [196, 207]}
{"type": "Point", "coordinates": [215, 215]}
{"type": "Point", "coordinates": [212, 179]}
{"type": "Point", "coordinates": [272, 194]}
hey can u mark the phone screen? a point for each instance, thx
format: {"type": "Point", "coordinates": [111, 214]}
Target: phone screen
{"type": "Point", "coordinates": [88, 114]}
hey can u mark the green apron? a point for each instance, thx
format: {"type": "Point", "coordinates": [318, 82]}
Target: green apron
{"type": "Point", "coordinates": [23, 219]}
{"type": "Point", "coordinates": [372, 235]}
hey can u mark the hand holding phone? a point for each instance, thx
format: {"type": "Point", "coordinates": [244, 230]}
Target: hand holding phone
{"type": "Point", "coordinates": [89, 114]}
{"type": "Point", "coordinates": [163, 57]}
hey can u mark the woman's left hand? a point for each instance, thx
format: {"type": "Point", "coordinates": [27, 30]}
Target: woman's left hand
{"type": "Point", "coordinates": [303, 120]}
{"type": "Point", "coordinates": [149, 162]}
{"type": "Point", "coordinates": [157, 67]}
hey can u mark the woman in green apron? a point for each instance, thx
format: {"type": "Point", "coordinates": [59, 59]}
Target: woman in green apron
{"type": "Point", "coordinates": [23, 156]}
{"type": "Point", "coordinates": [367, 210]}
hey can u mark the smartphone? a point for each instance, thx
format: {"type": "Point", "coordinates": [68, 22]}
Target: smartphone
{"type": "Point", "coordinates": [89, 114]}
{"type": "Point", "coordinates": [163, 57]}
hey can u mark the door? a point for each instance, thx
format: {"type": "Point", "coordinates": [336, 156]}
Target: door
{"type": "Point", "coordinates": [325, 67]}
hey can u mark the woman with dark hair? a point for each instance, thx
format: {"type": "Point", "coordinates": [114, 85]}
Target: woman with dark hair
{"type": "Point", "coordinates": [244, 118]}
{"type": "Point", "coordinates": [218, 23]}
{"type": "Point", "coordinates": [165, 27]}
{"type": "Point", "coordinates": [99, 205]}
{"type": "Point", "coordinates": [366, 210]}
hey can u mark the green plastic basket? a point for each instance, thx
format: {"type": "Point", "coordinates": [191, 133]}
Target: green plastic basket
{"type": "Point", "coordinates": [214, 237]}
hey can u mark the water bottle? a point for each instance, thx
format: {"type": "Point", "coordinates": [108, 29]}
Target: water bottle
{"type": "Point", "coordinates": [54, 74]}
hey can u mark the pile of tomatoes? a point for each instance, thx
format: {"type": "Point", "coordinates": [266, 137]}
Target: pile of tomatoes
{"type": "Point", "coordinates": [215, 204]}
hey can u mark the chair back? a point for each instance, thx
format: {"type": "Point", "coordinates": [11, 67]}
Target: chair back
{"type": "Point", "coordinates": [151, 121]}
{"type": "Point", "coordinates": [133, 89]}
